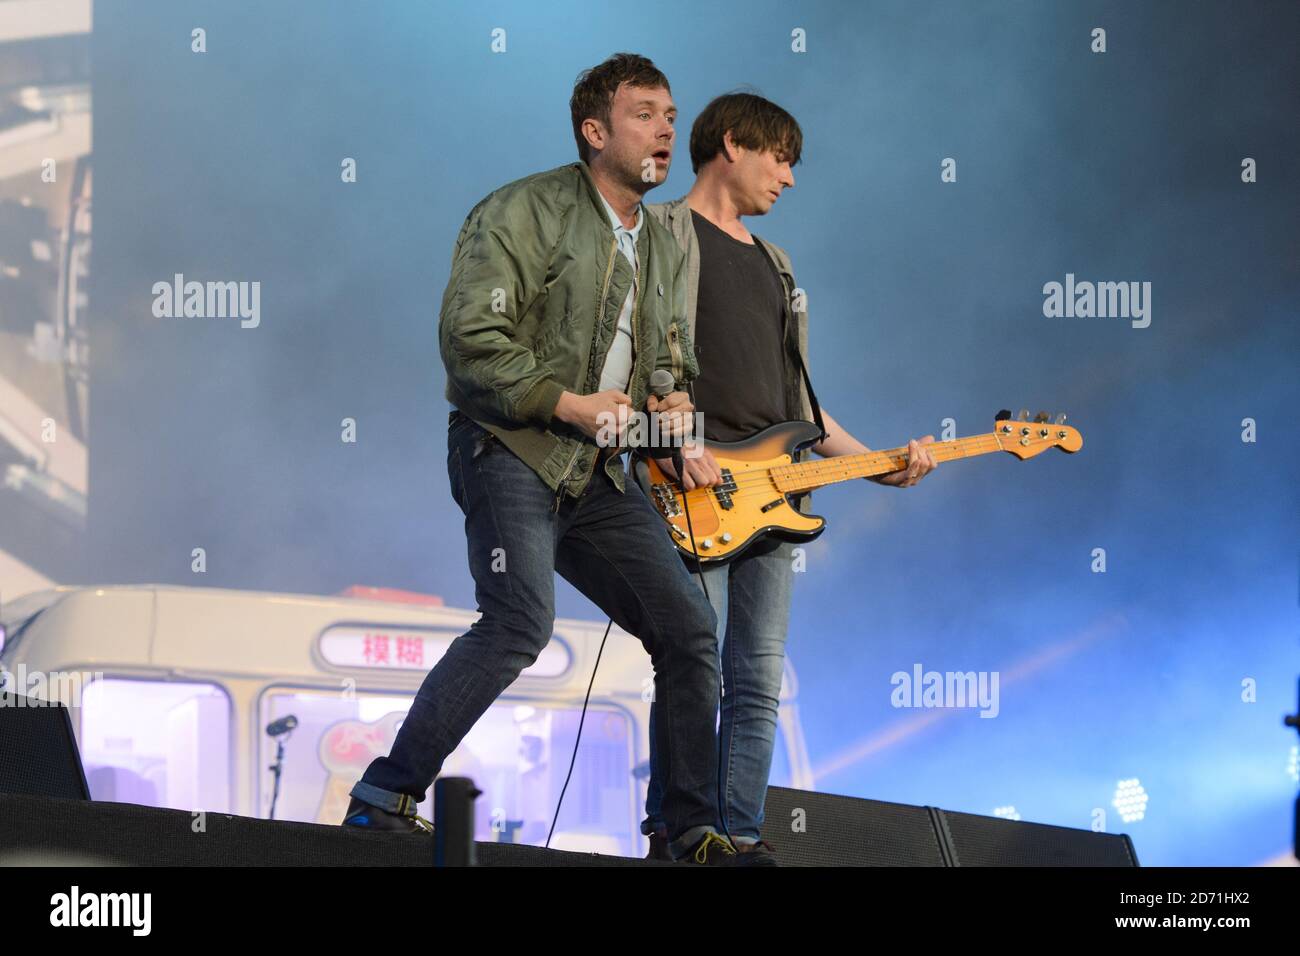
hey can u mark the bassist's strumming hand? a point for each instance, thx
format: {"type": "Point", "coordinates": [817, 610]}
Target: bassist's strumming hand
{"type": "Point", "coordinates": [702, 469]}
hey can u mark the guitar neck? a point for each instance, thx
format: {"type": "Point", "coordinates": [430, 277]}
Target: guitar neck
{"type": "Point", "coordinates": [805, 476]}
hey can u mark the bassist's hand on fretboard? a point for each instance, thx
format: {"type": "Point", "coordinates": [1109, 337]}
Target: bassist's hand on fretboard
{"type": "Point", "coordinates": [919, 464]}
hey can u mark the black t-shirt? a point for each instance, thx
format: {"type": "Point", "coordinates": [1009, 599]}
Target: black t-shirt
{"type": "Point", "coordinates": [738, 336]}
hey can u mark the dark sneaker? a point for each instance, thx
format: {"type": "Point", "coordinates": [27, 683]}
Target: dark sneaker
{"type": "Point", "coordinates": [761, 849]}
{"type": "Point", "coordinates": [712, 850]}
{"type": "Point", "coordinates": [659, 848]}
{"type": "Point", "coordinates": [715, 850]}
{"type": "Point", "coordinates": [368, 817]}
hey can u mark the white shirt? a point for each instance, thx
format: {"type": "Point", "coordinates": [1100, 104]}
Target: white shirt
{"type": "Point", "coordinates": [618, 363]}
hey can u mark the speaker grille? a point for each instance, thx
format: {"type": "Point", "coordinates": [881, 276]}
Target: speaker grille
{"type": "Point", "coordinates": [846, 831]}
{"type": "Point", "coordinates": [990, 841]}
{"type": "Point", "coordinates": [38, 753]}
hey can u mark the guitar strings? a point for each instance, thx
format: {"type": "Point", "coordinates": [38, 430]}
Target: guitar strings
{"type": "Point", "coordinates": [764, 481]}
{"type": "Point", "coordinates": [757, 485]}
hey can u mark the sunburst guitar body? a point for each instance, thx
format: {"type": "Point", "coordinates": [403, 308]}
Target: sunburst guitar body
{"type": "Point", "coordinates": [762, 480]}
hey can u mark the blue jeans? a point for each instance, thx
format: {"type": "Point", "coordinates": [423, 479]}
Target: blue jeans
{"type": "Point", "coordinates": [751, 597]}
{"type": "Point", "coordinates": [612, 547]}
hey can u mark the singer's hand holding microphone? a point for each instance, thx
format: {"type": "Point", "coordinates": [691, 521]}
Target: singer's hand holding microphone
{"type": "Point", "coordinates": [698, 466]}
{"type": "Point", "coordinates": [674, 409]}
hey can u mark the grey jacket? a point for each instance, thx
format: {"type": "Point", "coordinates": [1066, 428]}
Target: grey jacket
{"type": "Point", "coordinates": [676, 218]}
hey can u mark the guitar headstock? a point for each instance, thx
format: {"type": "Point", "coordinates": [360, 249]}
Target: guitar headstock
{"type": "Point", "coordinates": [1025, 438]}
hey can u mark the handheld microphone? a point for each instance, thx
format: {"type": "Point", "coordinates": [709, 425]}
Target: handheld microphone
{"type": "Point", "coordinates": [662, 384]}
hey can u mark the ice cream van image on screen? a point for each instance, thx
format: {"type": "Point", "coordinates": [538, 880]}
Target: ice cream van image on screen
{"type": "Point", "coordinates": [172, 689]}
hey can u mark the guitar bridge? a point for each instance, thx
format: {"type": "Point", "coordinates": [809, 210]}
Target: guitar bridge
{"type": "Point", "coordinates": [666, 500]}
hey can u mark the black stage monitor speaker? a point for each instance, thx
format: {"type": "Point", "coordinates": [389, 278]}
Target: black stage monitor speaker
{"type": "Point", "coordinates": [819, 829]}
{"type": "Point", "coordinates": [822, 829]}
{"type": "Point", "coordinates": [992, 841]}
{"type": "Point", "coordinates": [38, 751]}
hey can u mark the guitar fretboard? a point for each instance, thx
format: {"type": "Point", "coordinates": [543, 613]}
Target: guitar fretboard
{"type": "Point", "coordinates": [808, 475]}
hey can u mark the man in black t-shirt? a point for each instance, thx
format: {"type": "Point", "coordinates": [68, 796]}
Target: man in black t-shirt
{"type": "Point", "coordinates": [748, 321]}
{"type": "Point", "coordinates": [739, 312]}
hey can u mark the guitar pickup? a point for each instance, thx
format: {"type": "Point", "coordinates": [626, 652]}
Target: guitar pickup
{"type": "Point", "coordinates": [724, 491]}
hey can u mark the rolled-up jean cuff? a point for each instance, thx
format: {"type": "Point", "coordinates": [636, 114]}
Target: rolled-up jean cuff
{"type": "Point", "coordinates": [402, 803]}
{"type": "Point", "coordinates": [649, 826]}
{"type": "Point", "coordinates": [745, 840]}
{"type": "Point", "coordinates": [683, 844]}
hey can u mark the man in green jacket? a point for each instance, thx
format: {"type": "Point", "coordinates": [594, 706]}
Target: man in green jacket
{"type": "Point", "coordinates": [564, 297]}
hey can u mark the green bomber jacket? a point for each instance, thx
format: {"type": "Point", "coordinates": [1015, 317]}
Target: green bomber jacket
{"type": "Point", "coordinates": [531, 308]}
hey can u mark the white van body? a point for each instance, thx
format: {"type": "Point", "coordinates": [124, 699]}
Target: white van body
{"type": "Point", "coordinates": [171, 689]}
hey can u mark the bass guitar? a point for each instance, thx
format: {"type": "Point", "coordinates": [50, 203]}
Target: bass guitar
{"type": "Point", "coordinates": [760, 477]}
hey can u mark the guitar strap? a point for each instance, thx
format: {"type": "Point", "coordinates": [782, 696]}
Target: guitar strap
{"type": "Point", "coordinates": [812, 396]}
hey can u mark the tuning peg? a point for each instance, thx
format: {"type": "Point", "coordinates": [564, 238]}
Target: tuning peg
{"type": "Point", "coordinates": [1024, 415]}
{"type": "Point", "coordinates": [1042, 418]}
{"type": "Point", "coordinates": [1060, 419]}
{"type": "Point", "coordinates": [1003, 415]}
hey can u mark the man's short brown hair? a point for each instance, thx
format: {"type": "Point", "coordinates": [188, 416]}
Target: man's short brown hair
{"type": "Point", "coordinates": [593, 91]}
{"type": "Point", "coordinates": [754, 123]}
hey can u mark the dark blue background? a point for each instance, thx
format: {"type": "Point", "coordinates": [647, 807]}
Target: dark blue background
{"type": "Point", "coordinates": [925, 302]}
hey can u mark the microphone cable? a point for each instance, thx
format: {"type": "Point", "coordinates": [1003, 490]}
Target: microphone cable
{"type": "Point", "coordinates": [581, 720]}
{"type": "Point", "coordinates": [679, 466]}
